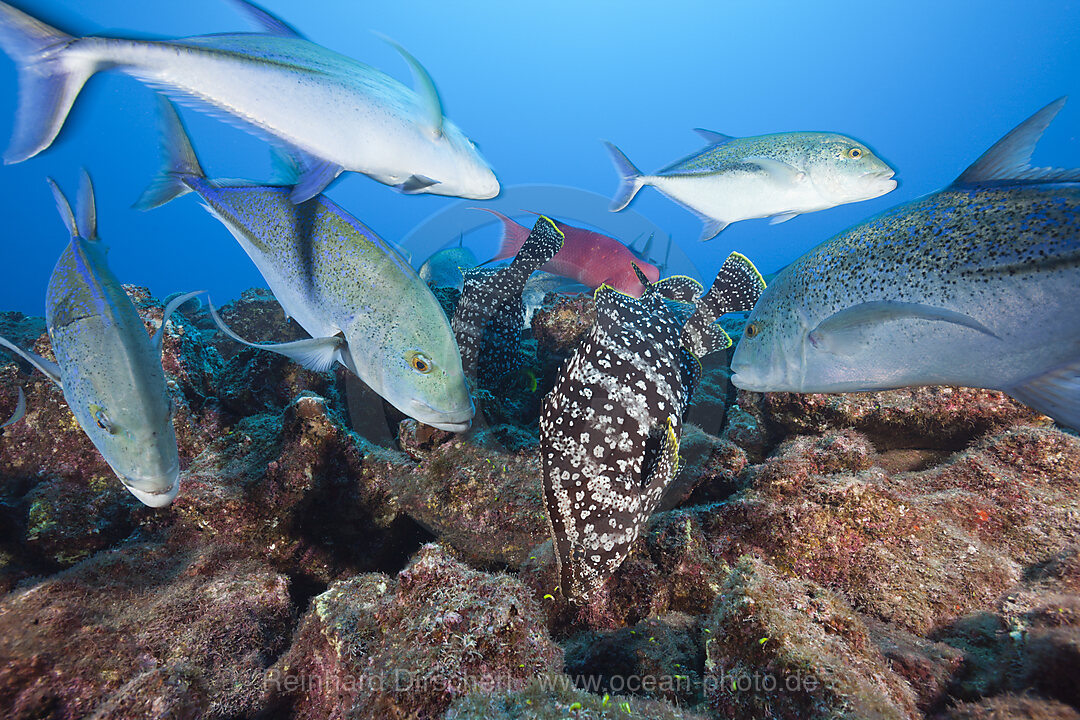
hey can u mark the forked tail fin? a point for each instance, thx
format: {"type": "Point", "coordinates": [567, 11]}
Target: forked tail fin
{"type": "Point", "coordinates": [49, 80]}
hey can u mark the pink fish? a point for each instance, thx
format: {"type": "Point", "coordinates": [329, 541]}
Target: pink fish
{"type": "Point", "coordinates": [589, 257]}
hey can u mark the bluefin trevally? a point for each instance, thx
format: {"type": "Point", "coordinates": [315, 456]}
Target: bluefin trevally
{"type": "Point", "coordinates": [107, 365]}
{"type": "Point", "coordinates": [777, 176]}
{"type": "Point", "coordinates": [359, 299]}
{"type": "Point", "coordinates": [610, 427]}
{"type": "Point", "coordinates": [444, 268]}
{"type": "Point", "coordinates": [977, 285]}
{"type": "Point", "coordinates": [343, 114]}
{"type": "Point", "coordinates": [490, 313]}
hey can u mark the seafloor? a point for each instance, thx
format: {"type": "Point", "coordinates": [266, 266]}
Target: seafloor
{"type": "Point", "coordinates": [903, 554]}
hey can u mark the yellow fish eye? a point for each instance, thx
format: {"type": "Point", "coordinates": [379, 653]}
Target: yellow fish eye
{"type": "Point", "coordinates": [854, 153]}
{"type": "Point", "coordinates": [420, 363]}
{"type": "Point", "coordinates": [102, 419]}
{"type": "Point", "coordinates": [752, 329]}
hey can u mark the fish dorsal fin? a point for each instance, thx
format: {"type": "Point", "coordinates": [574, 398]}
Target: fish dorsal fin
{"type": "Point", "coordinates": [20, 410]}
{"type": "Point", "coordinates": [86, 207]}
{"type": "Point", "coordinates": [614, 308]}
{"type": "Point", "coordinates": [425, 88]}
{"type": "Point", "coordinates": [681, 288]}
{"type": "Point", "coordinates": [835, 333]}
{"type": "Point", "coordinates": [1010, 157]}
{"type": "Point", "coordinates": [712, 137]}
{"type": "Point", "coordinates": [172, 306]}
{"type": "Point", "coordinates": [269, 22]}
{"type": "Point", "coordinates": [64, 208]}
{"type": "Point", "coordinates": [47, 367]}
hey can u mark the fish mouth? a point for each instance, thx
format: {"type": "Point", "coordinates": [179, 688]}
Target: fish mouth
{"type": "Point", "coordinates": [451, 421]}
{"type": "Point", "coordinates": [154, 499]}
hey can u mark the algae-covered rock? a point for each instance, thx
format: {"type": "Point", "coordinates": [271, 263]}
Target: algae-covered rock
{"type": "Point", "coordinates": [376, 646]}
{"type": "Point", "coordinates": [1010, 707]}
{"type": "Point", "coordinates": [301, 490]}
{"type": "Point", "coordinates": [145, 625]}
{"type": "Point", "coordinates": [487, 504]}
{"type": "Point", "coordinates": [781, 647]}
{"type": "Point", "coordinates": [554, 697]}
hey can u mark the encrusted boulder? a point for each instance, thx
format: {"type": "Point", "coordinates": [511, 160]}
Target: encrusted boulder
{"type": "Point", "coordinates": [376, 646]}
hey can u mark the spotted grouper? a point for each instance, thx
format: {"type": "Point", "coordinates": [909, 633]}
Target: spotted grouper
{"type": "Point", "coordinates": [490, 313]}
{"type": "Point", "coordinates": [977, 285]}
{"type": "Point", "coordinates": [610, 428]}
{"type": "Point", "coordinates": [776, 176]}
{"type": "Point", "coordinates": [107, 366]}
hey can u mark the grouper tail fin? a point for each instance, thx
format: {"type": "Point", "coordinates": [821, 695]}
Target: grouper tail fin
{"type": "Point", "coordinates": [180, 162]}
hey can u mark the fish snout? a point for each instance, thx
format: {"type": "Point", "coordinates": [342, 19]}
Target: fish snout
{"type": "Point", "coordinates": [457, 420]}
{"type": "Point", "coordinates": [146, 489]}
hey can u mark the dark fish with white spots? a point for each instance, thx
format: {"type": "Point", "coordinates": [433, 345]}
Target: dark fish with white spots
{"type": "Point", "coordinates": [976, 285]}
{"type": "Point", "coordinates": [490, 313]}
{"type": "Point", "coordinates": [610, 428]}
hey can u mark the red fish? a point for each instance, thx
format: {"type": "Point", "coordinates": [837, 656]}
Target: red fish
{"type": "Point", "coordinates": [589, 257]}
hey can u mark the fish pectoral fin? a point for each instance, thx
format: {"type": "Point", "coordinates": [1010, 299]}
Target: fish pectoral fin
{"type": "Point", "coordinates": [415, 184]}
{"type": "Point", "coordinates": [425, 88]}
{"type": "Point", "coordinates": [782, 218]}
{"type": "Point", "coordinates": [270, 24]}
{"type": "Point", "coordinates": [172, 306]}
{"type": "Point", "coordinates": [712, 137]}
{"type": "Point", "coordinates": [1056, 393]}
{"type": "Point", "coordinates": [47, 367]}
{"type": "Point", "coordinates": [661, 465]}
{"type": "Point", "coordinates": [20, 410]}
{"type": "Point", "coordinates": [316, 176]}
{"type": "Point", "coordinates": [836, 333]}
{"type": "Point", "coordinates": [778, 170]}
{"type": "Point", "coordinates": [318, 354]}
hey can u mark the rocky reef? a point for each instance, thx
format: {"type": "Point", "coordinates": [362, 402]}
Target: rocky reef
{"type": "Point", "coordinates": [904, 554]}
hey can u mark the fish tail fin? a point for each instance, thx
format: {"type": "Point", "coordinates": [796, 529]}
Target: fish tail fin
{"type": "Point", "coordinates": [1056, 393]}
{"type": "Point", "coordinates": [514, 235]}
{"type": "Point", "coordinates": [49, 80]}
{"type": "Point", "coordinates": [83, 222]}
{"type": "Point", "coordinates": [736, 288]}
{"type": "Point", "coordinates": [630, 178]}
{"type": "Point", "coordinates": [180, 161]}
{"type": "Point", "coordinates": [543, 242]}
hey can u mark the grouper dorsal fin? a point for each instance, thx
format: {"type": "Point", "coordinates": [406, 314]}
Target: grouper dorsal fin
{"type": "Point", "coordinates": [270, 23]}
{"type": "Point", "coordinates": [1010, 157]}
{"type": "Point", "coordinates": [425, 88]}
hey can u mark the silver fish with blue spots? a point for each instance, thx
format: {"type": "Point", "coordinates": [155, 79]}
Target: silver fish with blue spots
{"type": "Point", "coordinates": [776, 176]}
{"type": "Point", "coordinates": [107, 366]}
{"type": "Point", "coordinates": [359, 299]}
{"type": "Point", "coordinates": [976, 285]}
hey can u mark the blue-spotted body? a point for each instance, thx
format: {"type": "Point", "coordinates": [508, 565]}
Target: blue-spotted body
{"type": "Point", "coordinates": [343, 114]}
{"type": "Point", "coordinates": [491, 313]}
{"type": "Point", "coordinates": [358, 298]}
{"type": "Point", "coordinates": [610, 428]}
{"type": "Point", "coordinates": [777, 176]}
{"type": "Point", "coordinates": [975, 285]}
{"type": "Point", "coordinates": [107, 365]}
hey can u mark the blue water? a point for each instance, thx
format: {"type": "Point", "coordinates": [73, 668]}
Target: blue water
{"type": "Point", "coordinates": [928, 85]}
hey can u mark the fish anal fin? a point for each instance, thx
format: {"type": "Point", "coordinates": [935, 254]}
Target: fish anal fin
{"type": "Point", "coordinates": [1056, 393]}
{"type": "Point", "coordinates": [315, 178]}
{"type": "Point", "coordinates": [711, 227]}
{"type": "Point", "coordinates": [270, 23]}
{"type": "Point", "coordinates": [782, 218]}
